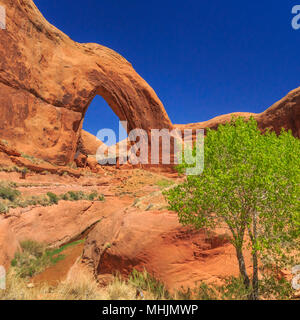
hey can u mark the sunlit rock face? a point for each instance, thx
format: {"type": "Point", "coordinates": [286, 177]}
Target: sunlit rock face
{"type": "Point", "coordinates": [47, 82]}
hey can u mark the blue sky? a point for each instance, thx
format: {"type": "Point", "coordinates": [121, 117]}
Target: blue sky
{"type": "Point", "coordinates": [203, 58]}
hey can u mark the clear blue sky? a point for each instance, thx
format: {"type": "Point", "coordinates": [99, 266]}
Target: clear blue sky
{"type": "Point", "coordinates": [203, 58]}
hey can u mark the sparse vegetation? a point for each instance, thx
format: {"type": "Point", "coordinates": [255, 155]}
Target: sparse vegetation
{"type": "Point", "coordinates": [145, 282]}
{"type": "Point", "coordinates": [53, 198]}
{"type": "Point", "coordinates": [3, 141]}
{"type": "Point", "coordinates": [234, 289]}
{"type": "Point", "coordinates": [33, 159]}
{"type": "Point", "coordinates": [164, 183]}
{"type": "Point", "coordinates": [8, 191]}
{"type": "Point", "coordinates": [72, 165]}
{"type": "Point", "coordinates": [3, 207]}
{"type": "Point", "coordinates": [140, 285]}
{"type": "Point", "coordinates": [79, 195]}
{"type": "Point", "coordinates": [35, 257]}
{"type": "Point", "coordinates": [80, 287]}
{"type": "Point", "coordinates": [12, 198]}
{"type": "Point", "coordinates": [10, 169]}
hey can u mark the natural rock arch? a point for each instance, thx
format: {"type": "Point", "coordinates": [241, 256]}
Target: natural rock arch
{"type": "Point", "coordinates": [47, 82]}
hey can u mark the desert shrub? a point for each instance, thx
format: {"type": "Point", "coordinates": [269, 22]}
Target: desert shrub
{"type": "Point", "coordinates": [34, 258]}
{"type": "Point", "coordinates": [233, 288]}
{"type": "Point", "coordinates": [275, 288]}
{"type": "Point", "coordinates": [3, 208]}
{"type": "Point", "coordinates": [101, 197]}
{"type": "Point", "coordinates": [79, 195]}
{"type": "Point", "coordinates": [202, 291]}
{"type": "Point", "coordinates": [53, 198]}
{"type": "Point", "coordinates": [31, 260]}
{"type": "Point", "coordinates": [65, 196]}
{"type": "Point", "coordinates": [92, 195]}
{"type": "Point", "coordinates": [9, 193]}
{"type": "Point", "coordinates": [145, 282]}
{"type": "Point", "coordinates": [73, 195]}
{"type": "Point", "coordinates": [13, 198]}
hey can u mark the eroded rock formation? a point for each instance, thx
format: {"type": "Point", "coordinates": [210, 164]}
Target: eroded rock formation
{"type": "Point", "coordinates": [283, 114]}
{"type": "Point", "coordinates": [47, 82]}
{"type": "Point", "coordinates": [155, 240]}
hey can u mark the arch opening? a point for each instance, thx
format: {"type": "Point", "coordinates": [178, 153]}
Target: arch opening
{"type": "Point", "coordinates": [98, 116]}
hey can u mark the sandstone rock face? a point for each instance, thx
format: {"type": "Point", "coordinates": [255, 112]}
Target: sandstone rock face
{"type": "Point", "coordinates": [283, 114]}
{"type": "Point", "coordinates": [58, 224]}
{"type": "Point", "coordinates": [155, 240]}
{"type": "Point", "coordinates": [47, 82]}
{"type": "Point", "coordinates": [89, 143]}
{"type": "Point", "coordinates": [9, 244]}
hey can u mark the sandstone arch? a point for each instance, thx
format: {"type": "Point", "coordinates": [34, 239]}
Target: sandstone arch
{"type": "Point", "coordinates": [47, 82]}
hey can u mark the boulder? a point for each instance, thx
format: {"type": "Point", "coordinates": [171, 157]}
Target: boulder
{"type": "Point", "coordinates": [89, 143]}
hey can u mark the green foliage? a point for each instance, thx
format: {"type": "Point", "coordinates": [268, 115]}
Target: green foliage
{"type": "Point", "coordinates": [92, 196]}
{"type": "Point", "coordinates": [12, 198]}
{"type": "Point", "coordinates": [200, 292]}
{"type": "Point", "coordinates": [66, 246]}
{"type": "Point", "coordinates": [146, 282]}
{"type": "Point", "coordinates": [35, 257]}
{"type": "Point", "coordinates": [31, 260]}
{"type": "Point", "coordinates": [164, 183]}
{"type": "Point", "coordinates": [53, 198]}
{"type": "Point", "coordinates": [101, 197]}
{"type": "Point", "coordinates": [74, 195]}
{"type": "Point", "coordinates": [79, 195]}
{"type": "Point", "coordinates": [275, 288]}
{"type": "Point", "coordinates": [251, 183]}
{"type": "Point", "coordinates": [3, 208]}
{"type": "Point", "coordinates": [234, 289]}
{"type": "Point", "coordinates": [6, 192]}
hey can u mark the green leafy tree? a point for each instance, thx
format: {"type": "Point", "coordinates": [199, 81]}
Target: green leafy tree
{"type": "Point", "coordinates": [251, 184]}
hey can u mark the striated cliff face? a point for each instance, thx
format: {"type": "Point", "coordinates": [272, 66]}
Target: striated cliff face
{"type": "Point", "coordinates": [47, 82]}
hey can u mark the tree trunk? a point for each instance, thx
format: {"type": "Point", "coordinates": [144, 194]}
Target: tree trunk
{"type": "Point", "coordinates": [254, 295]}
{"type": "Point", "coordinates": [254, 260]}
{"type": "Point", "coordinates": [242, 267]}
